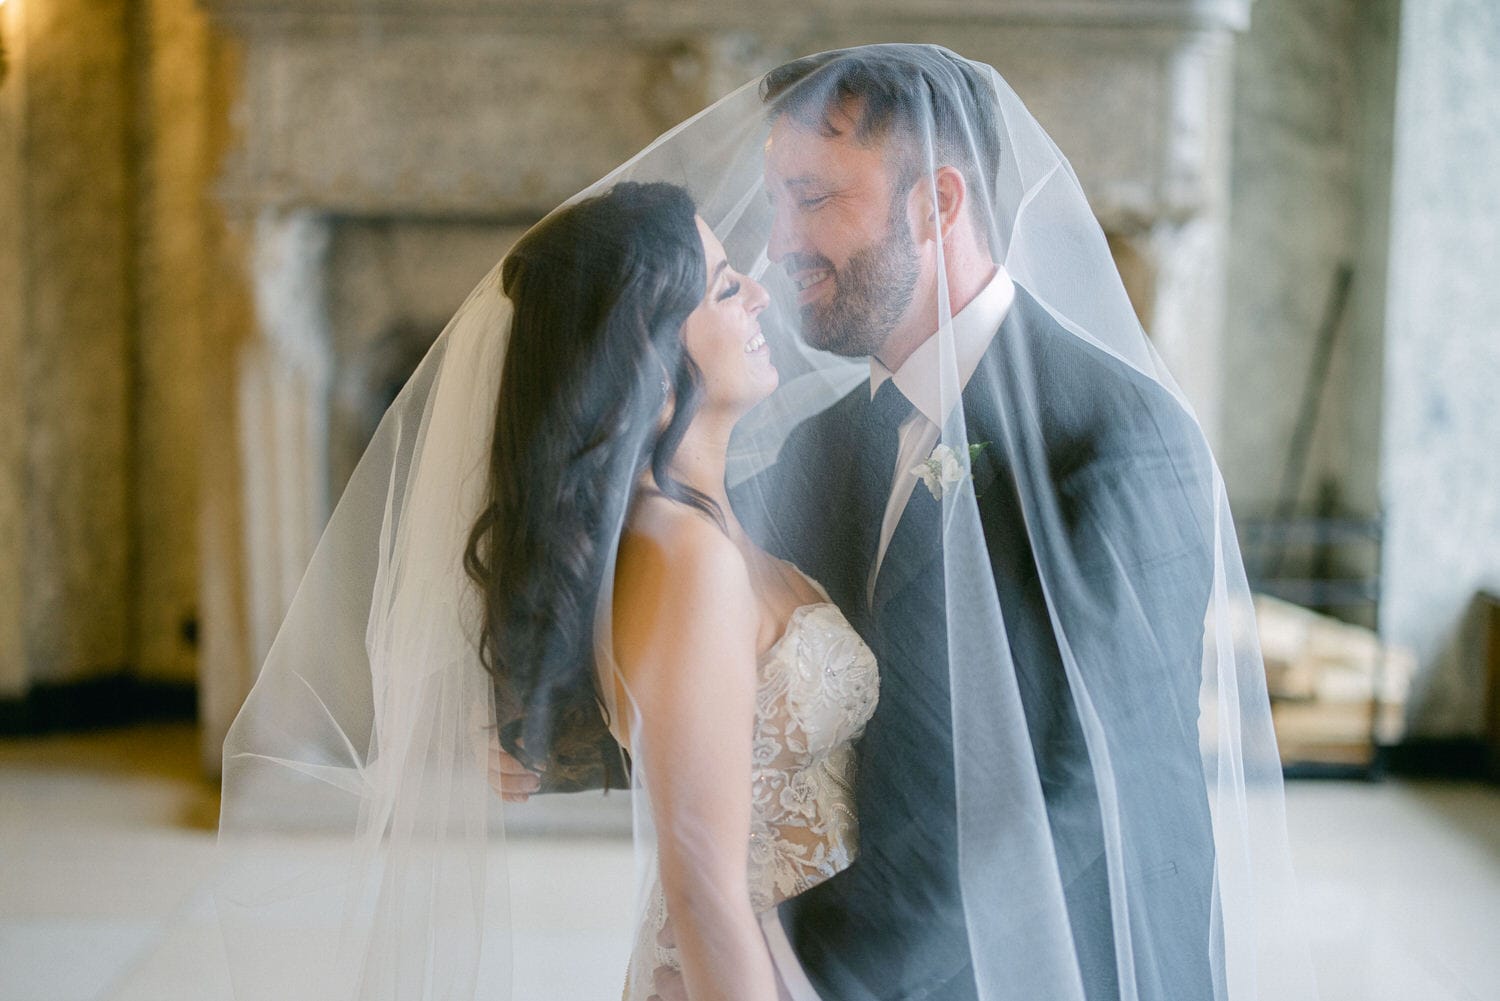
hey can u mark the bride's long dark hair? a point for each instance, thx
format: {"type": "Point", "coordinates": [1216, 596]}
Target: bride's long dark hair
{"type": "Point", "coordinates": [601, 290]}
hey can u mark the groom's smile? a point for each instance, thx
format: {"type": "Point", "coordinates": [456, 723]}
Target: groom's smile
{"type": "Point", "coordinates": [814, 278]}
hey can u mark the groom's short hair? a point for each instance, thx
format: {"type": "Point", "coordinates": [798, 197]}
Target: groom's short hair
{"type": "Point", "coordinates": [894, 93]}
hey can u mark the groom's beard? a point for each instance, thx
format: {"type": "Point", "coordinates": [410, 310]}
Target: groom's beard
{"type": "Point", "coordinates": [872, 292]}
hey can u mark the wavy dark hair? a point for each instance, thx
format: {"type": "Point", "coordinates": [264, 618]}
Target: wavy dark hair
{"type": "Point", "coordinates": [600, 291]}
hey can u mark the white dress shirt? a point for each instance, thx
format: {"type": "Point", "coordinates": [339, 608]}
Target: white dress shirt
{"type": "Point", "coordinates": [921, 380]}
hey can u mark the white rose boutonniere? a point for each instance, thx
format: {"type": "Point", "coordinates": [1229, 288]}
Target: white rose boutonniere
{"type": "Point", "coordinates": [943, 469]}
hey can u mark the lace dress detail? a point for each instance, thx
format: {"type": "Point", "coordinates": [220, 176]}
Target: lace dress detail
{"type": "Point", "coordinates": [817, 689]}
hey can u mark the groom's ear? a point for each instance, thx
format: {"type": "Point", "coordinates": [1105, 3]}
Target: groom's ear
{"type": "Point", "coordinates": [938, 204]}
{"type": "Point", "coordinates": [952, 198]}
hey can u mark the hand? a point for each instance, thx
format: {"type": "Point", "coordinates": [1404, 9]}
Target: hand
{"type": "Point", "coordinates": [512, 780]}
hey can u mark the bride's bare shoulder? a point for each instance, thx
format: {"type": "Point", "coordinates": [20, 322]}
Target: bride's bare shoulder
{"type": "Point", "coordinates": [675, 565]}
{"type": "Point", "coordinates": [667, 541]}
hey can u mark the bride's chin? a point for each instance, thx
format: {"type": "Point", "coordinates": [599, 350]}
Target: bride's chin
{"type": "Point", "coordinates": [768, 383]}
{"type": "Point", "coordinates": [758, 393]}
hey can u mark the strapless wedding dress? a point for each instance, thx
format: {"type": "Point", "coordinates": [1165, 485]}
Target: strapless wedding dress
{"type": "Point", "coordinates": [817, 689]}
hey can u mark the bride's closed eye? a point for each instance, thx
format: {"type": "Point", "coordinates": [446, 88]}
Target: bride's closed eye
{"type": "Point", "coordinates": [730, 291]}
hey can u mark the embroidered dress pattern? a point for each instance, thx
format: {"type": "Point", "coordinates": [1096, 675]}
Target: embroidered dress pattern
{"type": "Point", "coordinates": [817, 689]}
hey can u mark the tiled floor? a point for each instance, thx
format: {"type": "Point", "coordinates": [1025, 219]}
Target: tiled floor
{"type": "Point", "coordinates": [106, 841]}
{"type": "Point", "coordinates": [1401, 882]}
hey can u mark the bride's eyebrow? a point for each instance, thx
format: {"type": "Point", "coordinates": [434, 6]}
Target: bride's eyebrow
{"type": "Point", "coordinates": [718, 270]}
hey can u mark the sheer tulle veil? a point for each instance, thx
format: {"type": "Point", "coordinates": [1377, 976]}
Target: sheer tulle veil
{"type": "Point", "coordinates": [1071, 780]}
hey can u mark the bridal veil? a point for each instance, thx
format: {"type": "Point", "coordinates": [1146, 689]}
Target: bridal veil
{"type": "Point", "coordinates": [1070, 789]}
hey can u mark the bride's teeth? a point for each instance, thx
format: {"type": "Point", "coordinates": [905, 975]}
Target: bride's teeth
{"type": "Point", "coordinates": [755, 344]}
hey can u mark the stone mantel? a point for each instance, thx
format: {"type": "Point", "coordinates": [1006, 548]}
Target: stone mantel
{"type": "Point", "coordinates": [652, 17]}
{"type": "Point", "coordinates": [502, 109]}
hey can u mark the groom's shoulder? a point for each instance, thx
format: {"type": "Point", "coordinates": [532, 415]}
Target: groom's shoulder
{"type": "Point", "coordinates": [1034, 343]}
{"type": "Point", "coordinates": [1075, 381]}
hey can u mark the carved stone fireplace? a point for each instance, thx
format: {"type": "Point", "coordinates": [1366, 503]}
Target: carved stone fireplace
{"type": "Point", "coordinates": [391, 152]}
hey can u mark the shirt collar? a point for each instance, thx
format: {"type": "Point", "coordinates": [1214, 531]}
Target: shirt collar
{"type": "Point", "coordinates": [974, 327]}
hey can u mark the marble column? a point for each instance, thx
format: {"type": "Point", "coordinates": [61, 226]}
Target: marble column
{"type": "Point", "coordinates": [1440, 477]}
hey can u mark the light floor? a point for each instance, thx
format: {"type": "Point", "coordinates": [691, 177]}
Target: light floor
{"type": "Point", "coordinates": [106, 841]}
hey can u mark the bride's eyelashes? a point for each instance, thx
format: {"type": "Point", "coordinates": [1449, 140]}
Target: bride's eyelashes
{"type": "Point", "coordinates": [730, 291]}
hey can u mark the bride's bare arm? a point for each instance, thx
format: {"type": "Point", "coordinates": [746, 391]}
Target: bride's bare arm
{"type": "Point", "coordinates": [685, 627]}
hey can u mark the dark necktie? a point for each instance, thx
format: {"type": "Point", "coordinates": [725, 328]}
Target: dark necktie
{"type": "Point", "coordinates": [882, 426]}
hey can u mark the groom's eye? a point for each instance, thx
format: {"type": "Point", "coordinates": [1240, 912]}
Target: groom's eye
{"type": "Point", "coordinates": [730, 291]}
{"type": "Point", "coordinates": [813, 202]}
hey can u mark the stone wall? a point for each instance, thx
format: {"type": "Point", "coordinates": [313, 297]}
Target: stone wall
{"type": "Point", "coordinates": [12, 342]}
{"type": "Point", "coordinates": [69, 112]}
{"type": "Point", "coordinates": [1310, 179]}
{"type": "Point", "coordinates": [109, 122]}
{"type": "Point", "coordinates": [176, 167]}
{"type": "Point", "coordinates": [1368, 132]}
{"type": "Point", "coordinates": [1440, 474]}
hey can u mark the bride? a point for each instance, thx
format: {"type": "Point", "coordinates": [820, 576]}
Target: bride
{"type": "Point", "coordinates": [635, 344]}
{"type": "Point", "coordinates": [631, 635]}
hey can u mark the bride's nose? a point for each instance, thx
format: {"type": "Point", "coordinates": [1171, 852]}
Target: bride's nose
{"type": "Point", "coordinates": [756, 296]}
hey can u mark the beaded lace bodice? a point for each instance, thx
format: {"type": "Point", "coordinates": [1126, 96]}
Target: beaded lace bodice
{"type": "Point", "coordinates": [817, 689]}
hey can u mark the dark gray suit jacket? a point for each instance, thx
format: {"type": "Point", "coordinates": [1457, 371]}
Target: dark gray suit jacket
{"type": "Point", "coordinates": [1130, 476]}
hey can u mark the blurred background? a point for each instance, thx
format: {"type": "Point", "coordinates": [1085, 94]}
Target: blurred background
{"type": "Point", "coordinates": [230, 228]}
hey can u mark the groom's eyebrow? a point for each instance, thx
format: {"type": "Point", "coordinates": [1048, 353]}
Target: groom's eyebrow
{"type": "Point", "coordinates": [800, 181]}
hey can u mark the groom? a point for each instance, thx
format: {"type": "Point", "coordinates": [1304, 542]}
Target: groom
{"type": "Point", "coordinates": [864, 242]}
{"type": "Point", "coordinates": [1128, 476]}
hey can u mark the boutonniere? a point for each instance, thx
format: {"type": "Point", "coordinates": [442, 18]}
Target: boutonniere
{"type": "Point", "coordinates": [943, 469]}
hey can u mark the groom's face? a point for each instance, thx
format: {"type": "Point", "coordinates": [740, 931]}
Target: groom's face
{"type": "Point", "coordinates": [840, 229]}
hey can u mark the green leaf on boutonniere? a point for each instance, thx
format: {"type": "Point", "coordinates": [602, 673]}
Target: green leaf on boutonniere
{"type": "Point", "coordinates": [974, 450]}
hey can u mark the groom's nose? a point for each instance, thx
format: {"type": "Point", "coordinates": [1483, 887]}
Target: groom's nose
{"type": "Point", "coordinates": [785, 239]}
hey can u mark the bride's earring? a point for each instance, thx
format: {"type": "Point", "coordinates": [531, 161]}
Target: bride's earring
{"type": "Point", "coordinates": [667, 403]}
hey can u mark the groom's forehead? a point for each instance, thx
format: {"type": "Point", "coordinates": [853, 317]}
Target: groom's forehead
{"type": "Point", "coordinates": [799, 154]}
